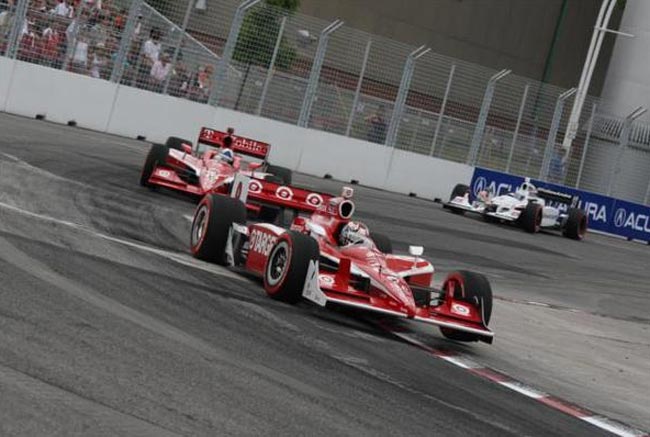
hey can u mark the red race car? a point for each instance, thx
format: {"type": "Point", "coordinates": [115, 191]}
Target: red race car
{"type": "Point", "coordinates": [211, 166]}
{"type": "Point", "coordinates": [328, 258]}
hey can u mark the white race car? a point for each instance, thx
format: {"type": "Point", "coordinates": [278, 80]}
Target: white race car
{"type": "Point", "coordinates": [529, 207]}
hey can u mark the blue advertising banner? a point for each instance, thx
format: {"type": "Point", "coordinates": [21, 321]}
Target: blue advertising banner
{"type": "Point", "coordinates": [606, 214]}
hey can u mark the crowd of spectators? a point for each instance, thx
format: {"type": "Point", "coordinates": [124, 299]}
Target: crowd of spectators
{"type": "Point", "coordinates": [83, 36]}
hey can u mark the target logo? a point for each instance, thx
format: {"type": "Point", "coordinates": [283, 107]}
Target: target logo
{"type": "Point", "coordinates": [315, 200]}
{"type": "Point", "coordinates": [254, 187]}
{"type": "Point", "coordinates": [327, 280]}
{"type": "Point", "coordinates": [284, 193]}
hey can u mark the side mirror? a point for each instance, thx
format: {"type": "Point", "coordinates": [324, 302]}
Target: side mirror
{"type": "Point", "coordinates": [416, 250]}
{"type": "Point", "coordinates": [186, 148]}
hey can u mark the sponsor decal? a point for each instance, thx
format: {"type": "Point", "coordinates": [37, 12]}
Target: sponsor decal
{"type": "Point", "coordinates": [327, 280]}
{"type": "Point", "coordinates": [460, 309]}
{"type": "Point", "coordinates": [315, 200]}
{"type": "Point", "coordinates": [620, 217]}
{"type": "Point", "coordinates": [285, 193]}
{"type": "Point", "coordinates": [481, 183]}
{"type": "Point", "coordinates": [262, 242]}
{"type": "Point", "coordinates": [254, 187]}
{"type": "Point", "coordinates": [631, 220]}
{"type": "Point", "coordinates": [164, 173]}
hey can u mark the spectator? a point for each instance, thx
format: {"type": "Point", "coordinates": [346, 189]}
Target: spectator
{"type": "Point", "coordinates": [202, 84]}
{"type": "Point", "coordinates": [556, 166]}
{"type": "Point", "coordinates": [51, 45]}
{"type": "Point", "coordinates": [101, 30]}
{"type": "Point", "coordinates": [62, 9]}
{"type": "Point", "coordinates": [152, 47]}
{"type": "Point", "coordinates": [377, 129]}
{"type": "Point", "coordinates": [160, 71]}
{"type": "Point", "coordinates": [180, 83]}
{"type": "Point", "coordinates": [79, 61]}
{"type": "Point", "coordinates": [98, 61]}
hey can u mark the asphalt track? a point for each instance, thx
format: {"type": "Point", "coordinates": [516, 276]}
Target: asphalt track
{"type": "Point", "coordinates": [109, 327]}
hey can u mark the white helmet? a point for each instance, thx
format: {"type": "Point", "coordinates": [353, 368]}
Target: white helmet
{"type": "Point", "coordinates": [227, 155]}
{"type": "Point", "coordinates": [353, 233]}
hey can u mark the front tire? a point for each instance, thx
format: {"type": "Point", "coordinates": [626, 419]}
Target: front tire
{"type": "Point", "coordinates": [576, 224]}
{"type": "Point", "coordinates": [157, 155]}
{"type": "Point", "coordinates": [177, 143]}
{"type": "Point", "coordinates": [474, 289]}
{"type": "Point", "coordinates": [211, 226]}
{"type": "Point", "coordinates": [282, 173]}
{"type": "Point", "coordinates": [382, 242]}
{"type": "Point", "coordinates": [287, 266]}
{"type": "Point", "coordinates": [531, 218]}
{"type": "Point", "coordinates": [458, 191]}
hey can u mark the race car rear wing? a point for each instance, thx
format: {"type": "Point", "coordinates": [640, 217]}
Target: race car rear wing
{"type": "Point", "coordinates": [241, 145]}
{"type": "Point", "coordinates": [555, 196]}
{"type": "Point", "coordinates": [254, 191]}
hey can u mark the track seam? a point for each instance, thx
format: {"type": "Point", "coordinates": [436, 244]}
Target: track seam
{"type": "Point", "coordinates": [464, 362]}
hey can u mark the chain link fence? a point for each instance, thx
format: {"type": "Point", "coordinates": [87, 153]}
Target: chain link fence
{"type": "Point", "coordinates": [263, 60]}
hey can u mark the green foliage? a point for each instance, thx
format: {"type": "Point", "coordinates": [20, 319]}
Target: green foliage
{"type": "Point", "coordinates": [259, 33]}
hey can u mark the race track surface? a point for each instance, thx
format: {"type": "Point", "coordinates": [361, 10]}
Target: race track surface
{"type": "Point", "coordinates": [109, 327]}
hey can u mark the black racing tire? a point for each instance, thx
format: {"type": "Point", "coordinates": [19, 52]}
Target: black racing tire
{"type": "Point", "coordinates": [576, 224]}
{"type": "Point", "coordinates": [176, 143]}
{"type": "Point", "coordinates": [211, 225]}
{"type": "Point", "coordinates": [382, 242]}
{"type": "Point", "coordinates": [474, 289]}
{"type": "Point", "coordinates": [283, 173]}
{"type": "Point", "coordinates": [287, 266]}
{"type": "Point", "coordinates": [531, 218]}
{"type": "Point", "coordinates": [459, 190]}
{"type": "Point", "coordinates": [157, 155]}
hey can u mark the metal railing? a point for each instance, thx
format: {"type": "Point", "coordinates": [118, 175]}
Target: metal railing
{"type": "Point", "coordinates": [263, 60]}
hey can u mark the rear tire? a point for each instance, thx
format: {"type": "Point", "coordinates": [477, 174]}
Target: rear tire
{"type": "Point", "coordinates": [283, 173]}
{"type": "Point", "coordinates": [287, 266]}
{"type": "Point", "coordinates": [382, 242]}
{"type": "Point", "coordinates": [474, 289]}
{"type": "Point", "coordinates": [531, 218]}
{"type": "Point", "coordinates": [212, 222]}
{"type": "Point", "coordinates": [157, 155]}
{"type": "Point", "coordinates": [576, 224]}
{"type": "Point", "coordinates": [177, 143]}
{"type": "Point", "coordinates": [459, 190]}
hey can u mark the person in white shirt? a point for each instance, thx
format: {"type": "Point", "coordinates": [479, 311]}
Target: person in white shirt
{"type": "Point", "coordinates": [159, 72]}
{"type": "Point", "coordinates": [62, 9]}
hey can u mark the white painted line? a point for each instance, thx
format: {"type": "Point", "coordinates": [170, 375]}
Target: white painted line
{"type": "Point", "coordinates": [524, 389]}
{"type": "Point", "coordinates": [179, 258]}
{"type": "Point", "coordinates": [613, 427]}
{"type": "Point", "coordinates": [461, 361]}
{"type": "Point", "coordinates": [189, 218]}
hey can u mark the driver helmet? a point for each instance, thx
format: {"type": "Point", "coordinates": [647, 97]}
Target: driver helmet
{"type": "Point", "coordinates": [353, 233]}
{"type": "Point", "coordinates": [227, 155]}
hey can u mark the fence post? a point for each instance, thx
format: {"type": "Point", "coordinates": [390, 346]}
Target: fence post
{"type": "Point", "coordinates": [552, 134]}
{"type": "Point", "coordinates": [646, 198]}
{"type": "Point", "coordinates": [228, 51]}
{"type": "Point", "coordinates": [269, 73]}
{"type": "Point", "coordinates": [177, 49]}
{"type": "Point", "coordinates": [357, 92]}
{"type": "Point", "coordinates": [314, 75]}
{"type": "Point", "coordinates": [443, 107]}
{"type": "Point", "coordinates": [402, 94]}
{"type": "Point", "coordinates": [126, 41]}
{"type": "Point", "coordinates": [517, 127]}
{"type": "Point", "coordinates": [590, 128]}
{"type": "Point", "coordinates": [13, 42]}
{"type": "Point", "coordinates": [622, 144]}
{"type": "Point", "coordinates": [477, 139]}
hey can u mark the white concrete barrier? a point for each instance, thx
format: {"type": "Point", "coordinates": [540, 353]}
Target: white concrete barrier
{"type": "Point", "coordinates": [138, 112]}
{"type": "Point", "coordinates": [60, 96]}
{"type": "Point", "coordinates": [6, 74]}
{"type": "Point", "coordinates": [97, 104]}
{"type": "Point", "coordinates": [426, 176]}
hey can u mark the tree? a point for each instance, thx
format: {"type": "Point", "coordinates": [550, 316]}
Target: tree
{"type": "Point", "coordinates": [259, 33]}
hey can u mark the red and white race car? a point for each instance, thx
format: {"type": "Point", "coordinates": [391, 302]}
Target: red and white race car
{"type": "Point", "coordinates": [212, 165]}
{"type": "Point", "coordinates": [327, 258]}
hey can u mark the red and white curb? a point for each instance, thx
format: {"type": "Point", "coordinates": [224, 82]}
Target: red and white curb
{"type": "Point", "coordinates": [462, 361]}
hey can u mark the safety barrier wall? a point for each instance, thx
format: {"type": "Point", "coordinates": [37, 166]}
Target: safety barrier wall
{"type": "Point", "coordinates": [6, 67]}
{"type": "Point", "coordinates": [108, 107]}
{"type": "Point", "coordinates": [605, 214]}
